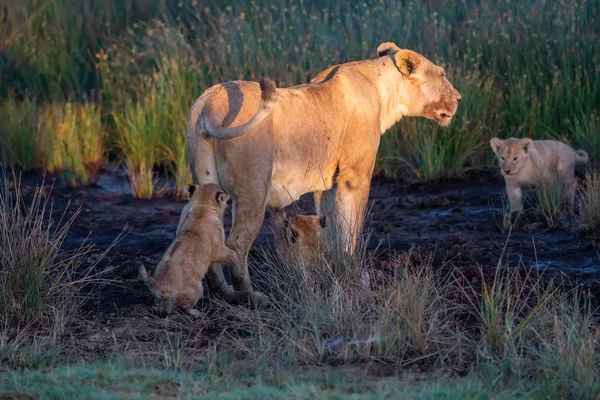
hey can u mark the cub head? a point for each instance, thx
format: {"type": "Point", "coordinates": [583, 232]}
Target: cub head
{"type": "Point", "coordinates": [209, 194]}
{"type": "Point", "coordinates": [427, 92]}
{"type": "Point", "coordinates": [299, 233]}
{"type": "Point", "coordinates": [512, 153]}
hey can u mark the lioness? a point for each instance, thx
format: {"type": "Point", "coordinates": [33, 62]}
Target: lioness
{"type": "Point", "coordinates": [298, 237]}
{"type": "Point", "coordinates": [267, 146]}
{"type": "Point", "coordinates": [200, 241]}
{"type": "Point", "coordinates": [526, 162]}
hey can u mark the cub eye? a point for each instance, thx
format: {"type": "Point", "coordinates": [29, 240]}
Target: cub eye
{"type": "Point", "coordinates": [501, 158]}
{"type": "Point", "coordinates": [515, 159]}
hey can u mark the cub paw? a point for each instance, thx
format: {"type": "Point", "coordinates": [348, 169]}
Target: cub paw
{"type": "Point", "coordinates": [252, 298]}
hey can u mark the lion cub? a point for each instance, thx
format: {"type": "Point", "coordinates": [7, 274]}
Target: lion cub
{"type": "Point", "coordinates": [298, 237]}
{"type": "Point", "coordinates": [200, 241]}
{"type": "Point", "coordinates": [526, 162]}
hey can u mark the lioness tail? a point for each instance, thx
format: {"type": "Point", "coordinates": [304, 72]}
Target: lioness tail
{"type": "Point", "coordinates": [581, 157]}
{"type": "Point", "coordinates": [267, 102]}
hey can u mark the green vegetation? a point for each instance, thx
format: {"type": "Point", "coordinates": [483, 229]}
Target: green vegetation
{"type": "Point", "coordinates": [509, 332]}
{"type": "Point", "coordinates": [589, 203]}
{"type": "Point", "coordinates": [39, 281]}
{"type": "Point", "coordinates": [84, 82]}
{"type": "Point", "coordinates": [147, 62]}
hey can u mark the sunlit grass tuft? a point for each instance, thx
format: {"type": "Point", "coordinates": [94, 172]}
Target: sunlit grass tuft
{"type": "Point", "coordinates": [589, 203]}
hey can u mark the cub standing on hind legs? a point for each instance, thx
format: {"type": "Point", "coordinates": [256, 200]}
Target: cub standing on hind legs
{"type": "Point", "coordinates": [526, 162]}
{"type": "Point", "coordinates": [200, 242]}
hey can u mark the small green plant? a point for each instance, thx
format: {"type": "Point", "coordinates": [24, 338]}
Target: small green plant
{"type": "Point", "coordinates": [567, 354]}
{"type": "Point", "coordinates": [505, 219]}
{"type": "Point", "coordinates": [550, 199]}
{"type": "Point", "coordinates": [589, 203]}
{"type": "Point", "coordinates": [172, 351]}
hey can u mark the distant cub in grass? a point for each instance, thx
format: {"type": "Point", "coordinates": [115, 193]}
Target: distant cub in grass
{"type": "Point", "coordinates": [526, 162]}
{"type": "Point", "coordinates": [298, 237]}
{"type": "Point", "coordinates": [200, 241]}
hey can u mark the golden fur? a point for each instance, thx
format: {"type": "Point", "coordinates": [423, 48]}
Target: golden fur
{"type": "Point", "coordinates": [200, 241]}
{"type": "Point", "coordinates": [315, 136]}
{"type": "Point", "coordinates": [298, 237]}
{"type": "Point", "coordinates": [526, 162]}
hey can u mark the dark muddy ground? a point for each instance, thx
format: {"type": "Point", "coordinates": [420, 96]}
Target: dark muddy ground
{"type": "Point", "coordinates": [457, 222]}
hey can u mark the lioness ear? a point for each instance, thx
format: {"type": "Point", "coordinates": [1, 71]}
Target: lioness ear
{"type": "Point", "coordinates": [526, 144]}
{"type": "Point", "coordinates": [222, 197]}
{"type": "Point", "coordinates": [323, 221]}
{"type": "Point", "coordinates": [189, 190]}
{"type": "Point", "coordinates": [386, 48]}
{"type": "Point", "coordinates": [406, 61]}
{"type": "Point", "coordinates": [496, 144]}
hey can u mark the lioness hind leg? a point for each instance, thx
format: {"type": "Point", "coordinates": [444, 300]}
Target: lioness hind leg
{"type": "Point", "coordinates": [248, 215]}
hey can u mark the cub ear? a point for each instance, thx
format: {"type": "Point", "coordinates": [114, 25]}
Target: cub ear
{"type": "Point", "coordinates": [323, 221]}
{"type": "Point", "coordinates": [222, 197]}
{"type": "Point", "coordinates": [407, 61]}
{"type": "Point", "coordinates": [526, 144]}
{"type": "Point", "coordinates": [189, 190]}
{"type": "Point", "coordinates": [496, 144]}
{"type": "Point", "coordinates": [386, 48]}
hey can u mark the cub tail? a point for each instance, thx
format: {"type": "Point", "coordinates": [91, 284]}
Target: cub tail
{"type": "Point", "coordinates": [268, 99]}
{"type": "Point", "coordinates": [581, 157]}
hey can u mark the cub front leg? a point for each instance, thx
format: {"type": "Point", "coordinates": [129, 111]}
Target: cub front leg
{"type": "Point", "coordinates": [227, 256]}
{"type": "Point", "coordinates": [515, 196]}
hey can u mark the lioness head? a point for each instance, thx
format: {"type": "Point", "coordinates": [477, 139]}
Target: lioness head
{"type": "Point", "coordinates": [512, 153]}
{"type": "Point", "coordinates": [207, 195]}
{"type": "Point", "coordinates": [298, 233]}
{"type": "Point", "coordinates": [428, 93]}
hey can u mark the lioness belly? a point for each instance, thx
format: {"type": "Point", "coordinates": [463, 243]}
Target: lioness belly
{"type": "Point", "coordinates": [289, 181]}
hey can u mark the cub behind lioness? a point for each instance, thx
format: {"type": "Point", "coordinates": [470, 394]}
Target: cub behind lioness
{"type": "Point", "coordinates": [526, 162]}
{"type": "Point", "coordinates": [200, 242]}
{"type": "Point", "coordinates": [298, 237]}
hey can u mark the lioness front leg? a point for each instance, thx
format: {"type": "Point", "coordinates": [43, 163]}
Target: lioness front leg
{"type": "Point", "coordinates": [351, 202]}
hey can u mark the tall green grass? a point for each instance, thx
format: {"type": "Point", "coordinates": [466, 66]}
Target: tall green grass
{"type": "Point", "coordinates": [18, 133]}
{"type": "Point", "coordinates": [72, 138]}
{"type": "Point", "coordinates": [589, 203]}
{"type": "Point", "coordinates": [524, 68]}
